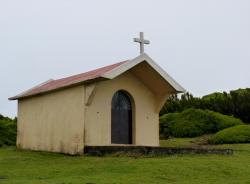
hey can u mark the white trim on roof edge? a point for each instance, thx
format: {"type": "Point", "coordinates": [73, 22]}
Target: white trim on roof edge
{"type": "Point", "coordinates": [143, 57]}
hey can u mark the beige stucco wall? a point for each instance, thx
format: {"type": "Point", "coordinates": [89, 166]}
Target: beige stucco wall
{"type": "Point", "coordinates": [52, 122]}
{"type": "Point", "coordinates": [98, 113]}
{"type": "Point", "coordinates": [67, 120]}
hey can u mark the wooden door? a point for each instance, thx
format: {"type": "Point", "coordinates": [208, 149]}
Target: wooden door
{"type": "Point", "coordinates": [121, 119]}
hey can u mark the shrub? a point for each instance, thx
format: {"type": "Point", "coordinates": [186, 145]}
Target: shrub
{"type": "Point", "coordinates": [236, 103]}
{"type": "Point", "coordinates": [7, 131]}
{"type": "Point", "coordinates": [195, 122]}
{"type": "Point", "coordinates": [236, 134]}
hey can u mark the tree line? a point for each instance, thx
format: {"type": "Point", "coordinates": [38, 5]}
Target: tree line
{"type": "Point", "coordinates": [234, 103]}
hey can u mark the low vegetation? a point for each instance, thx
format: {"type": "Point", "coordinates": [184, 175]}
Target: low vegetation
{"type": "Point", "coordinates": [195, 122]}
{"type": "Point", "coordinates": [236, 134]}
{"type": "Point", "coordinates": [7, 131]}
{"type": "Point", "coordinates": [235, 103]}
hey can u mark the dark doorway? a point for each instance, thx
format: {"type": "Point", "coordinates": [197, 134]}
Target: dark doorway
{"type": "Point", "coordinates": [121, 119]}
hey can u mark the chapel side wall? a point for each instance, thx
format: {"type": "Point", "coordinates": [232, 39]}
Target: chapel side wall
{"type": "Point", "coordinates": [52, 122]}
{"type": "Point", "coordinates": [98, 113]}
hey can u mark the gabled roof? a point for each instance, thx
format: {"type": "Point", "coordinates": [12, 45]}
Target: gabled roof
{"type": "Point", "coordinates": [107, 72]}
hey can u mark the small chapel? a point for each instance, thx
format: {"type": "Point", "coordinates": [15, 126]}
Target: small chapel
{"type": "Point", "coordinates": [117, 104]}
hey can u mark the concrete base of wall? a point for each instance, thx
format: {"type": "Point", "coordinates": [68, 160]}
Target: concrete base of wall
{"type": "Point", "coordinates": [151, 151]}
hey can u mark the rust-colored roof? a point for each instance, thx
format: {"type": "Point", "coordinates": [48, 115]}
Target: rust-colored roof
{"type": "Point", "coordinates": [52, 85]}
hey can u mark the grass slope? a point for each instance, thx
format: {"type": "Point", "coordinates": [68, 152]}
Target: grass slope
{"type": "Point", "coordinates": [201, 141]}
{"type": "Point", "coordinates": [236, 134]}
{"type": "Point", "coordinates": [18, 167]}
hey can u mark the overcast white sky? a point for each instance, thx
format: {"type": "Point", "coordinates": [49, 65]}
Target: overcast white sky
{"type": "Point", "coordinates": [203, 44]}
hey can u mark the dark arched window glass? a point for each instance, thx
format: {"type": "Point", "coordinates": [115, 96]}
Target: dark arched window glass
{"type": "Point", "coordinates": [121, 100]}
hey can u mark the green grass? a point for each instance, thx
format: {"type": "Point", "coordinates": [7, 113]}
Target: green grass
{"type": "Point", "coordinates": [186, 142]}
{"type": "Point", "coordinates": [49, 168]}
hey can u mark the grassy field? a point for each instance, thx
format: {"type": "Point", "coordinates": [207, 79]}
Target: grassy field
{"type": "Point", "coordinates": [49, 168]}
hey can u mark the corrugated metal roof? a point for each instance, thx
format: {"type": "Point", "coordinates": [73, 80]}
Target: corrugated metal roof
{"type": "Point", "coordinates": [68, 81]}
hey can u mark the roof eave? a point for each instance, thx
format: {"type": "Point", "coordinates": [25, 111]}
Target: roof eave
{"type": "Point", "coordinates": [18, 97]}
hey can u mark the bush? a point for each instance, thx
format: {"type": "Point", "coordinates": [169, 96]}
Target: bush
{"type": "Point", "coordinates": [195, 122]}
{"type": "Point", "coordinates": [236, 103]}
{"type": "Point", "coordinates": [236, 134]}
{"type": "Point", "coordinates": [7, 131]}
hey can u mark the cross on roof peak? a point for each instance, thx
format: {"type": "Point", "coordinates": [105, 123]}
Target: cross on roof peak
{"type": "Point", "coordinates": [142, 42]}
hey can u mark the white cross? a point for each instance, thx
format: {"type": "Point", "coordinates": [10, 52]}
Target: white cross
{"type": "Point", "coordinates": [142, 42]}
